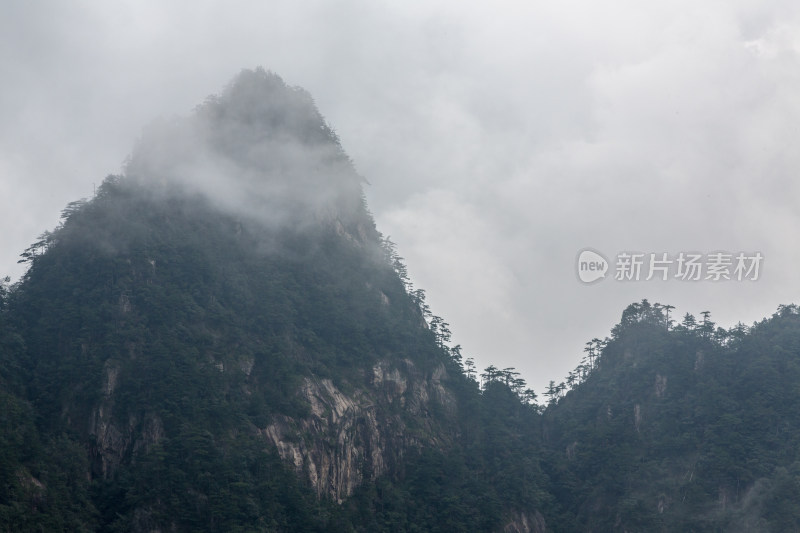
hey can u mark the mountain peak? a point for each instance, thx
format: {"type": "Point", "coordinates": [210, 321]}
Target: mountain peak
{"type": "Point", "coordinates": [260, 148]}
{"type": "Point", "coordinates": [263, 106]}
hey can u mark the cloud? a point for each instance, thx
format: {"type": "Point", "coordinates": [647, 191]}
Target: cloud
{"type": "Point", "coordinates": [260, 150]}
{"type": "Point", "coordinates": [499, 139]}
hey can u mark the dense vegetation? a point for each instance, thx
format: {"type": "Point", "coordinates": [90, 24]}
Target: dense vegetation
{"type": "Point", "coordinates": [683, 427]}
{"type": "Point", "coordinates": [158, 332]}
{"type": "Point", "coordinates": [136, 304]}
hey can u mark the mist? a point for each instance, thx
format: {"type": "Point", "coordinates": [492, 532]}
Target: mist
{"type": "Point", "coordinates": [259, 150]}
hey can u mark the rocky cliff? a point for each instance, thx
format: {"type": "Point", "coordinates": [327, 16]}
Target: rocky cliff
{"type": "Point", "coordinates": [350, 438]}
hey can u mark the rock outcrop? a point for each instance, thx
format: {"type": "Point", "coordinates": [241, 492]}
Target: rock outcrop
{"type": "Point", "coordinates": [356, 436]}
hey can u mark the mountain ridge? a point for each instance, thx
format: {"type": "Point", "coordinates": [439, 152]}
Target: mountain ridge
{"type": "Point", "coordinates": [222, 340]}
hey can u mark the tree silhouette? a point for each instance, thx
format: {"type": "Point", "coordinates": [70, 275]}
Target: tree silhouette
{"type": "Point", "coordinates": [667, 309]}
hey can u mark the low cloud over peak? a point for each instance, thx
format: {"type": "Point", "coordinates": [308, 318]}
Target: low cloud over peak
{"type": "Point", "coordinates": [260, 147]}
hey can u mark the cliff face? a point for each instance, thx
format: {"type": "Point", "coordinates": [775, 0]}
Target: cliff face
{"type": "Point", "coordinates": [526, 523]}
{"type": "Point", "coordinates": [351, 438]}
{"type": "Point", "coordinates": [343, 440]}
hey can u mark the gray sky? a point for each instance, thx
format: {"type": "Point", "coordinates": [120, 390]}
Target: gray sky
{"type": "Point", "coordinates": [499, 139]}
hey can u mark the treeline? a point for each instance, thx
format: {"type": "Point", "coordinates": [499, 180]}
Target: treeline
{"type": "Point", "coordinates": [658, 317]}
{"type": "Point", "coordinates": [442, 335]}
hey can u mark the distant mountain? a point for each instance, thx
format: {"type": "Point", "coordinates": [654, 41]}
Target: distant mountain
{"type": "Point", "coordinates": [221, 340]}
{"type": "Point", "coordinates": [691, 428]}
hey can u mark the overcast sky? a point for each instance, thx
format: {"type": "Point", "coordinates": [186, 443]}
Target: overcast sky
{"type": "Point", "coordinates": [500, 139]}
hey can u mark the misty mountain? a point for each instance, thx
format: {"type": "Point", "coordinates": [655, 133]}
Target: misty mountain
{"type": "Point", "coordinates": [226, 342]}
{"type": "Point", "coordinates": [221, 340]}
{"type": "Point", "coordinates": [259, 149]}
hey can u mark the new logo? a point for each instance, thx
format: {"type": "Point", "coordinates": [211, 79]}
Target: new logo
{"type": "Point", "coordinates": [591, 265]}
